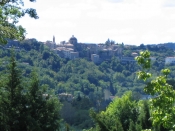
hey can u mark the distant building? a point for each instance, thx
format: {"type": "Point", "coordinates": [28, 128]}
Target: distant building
{"type": "Point", "coordinates": [127, 59]}
{"type": "Point", "coordinates": [59, 51]}
{"type": "Point", "coordinates": [63, 42]}
{"type": "Point", "coordinates": [106, 54]}
{"type": "Point", "coordinates": [65, 96]}
{"type": "Point", "coordinates": [67, 52]}
{"type": "Point", "coordinates": [107, 94]}
{"type": "Point", "coordinates": [50, 44]}
{"type": "Point", "coordinates": [170, 60]}
{"type": "Point", "coordinates": [69, 46]}
{"type": "Point", "coordinates": [96, 52]}
{"type": "Point", "coordinates": [73, 40]}
{"type": "Point", "coordinates": [74, 55]}
{"type": "Point", "coordinates": [95, 58]}
{"type": "Point", "coordinates": [134, 54]}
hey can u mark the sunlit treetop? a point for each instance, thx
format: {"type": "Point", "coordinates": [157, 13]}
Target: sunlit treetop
{"type": "Point", "coordinates": [163, 102]}
{"type": "Point", "coordinates": [10, 13]}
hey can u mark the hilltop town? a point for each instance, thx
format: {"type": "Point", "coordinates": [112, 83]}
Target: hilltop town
{"type": "Point", "coordinates": [95, 52]}
{"type": "Point", "coordinates": [99, 52]}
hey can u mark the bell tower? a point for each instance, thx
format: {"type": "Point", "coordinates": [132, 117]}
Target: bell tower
{"type": "Point", "coordinates": [53, 39]}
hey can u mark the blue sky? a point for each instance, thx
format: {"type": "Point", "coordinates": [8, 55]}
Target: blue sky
{"type": "Point", "coordinates": [94, 21]}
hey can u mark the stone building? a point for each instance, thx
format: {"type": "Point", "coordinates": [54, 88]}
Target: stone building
{"type": "Point", "coordinates": [95, 52]}
{"type": "Point", "coordinates": [170, 60]}
{"type": "Point", "coordinates": [127, 59]}
{"type": "Point", "coordinates": [50, 44]}
{"type": "Point", "coordinates": [95, 58]}
{"type": "Point", "coordinates": [66, 97]}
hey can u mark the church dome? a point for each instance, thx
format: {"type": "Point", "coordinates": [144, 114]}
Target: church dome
{"type": "Point", "coordinates": [73, 40]}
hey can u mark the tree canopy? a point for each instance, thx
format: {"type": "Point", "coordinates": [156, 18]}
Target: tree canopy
{"type": "Point", "coordinates": [123, 114]}
{"type": "Point", "coordinates": [10, 13]}
{"type": "Point", "coordinates": [162, 102]}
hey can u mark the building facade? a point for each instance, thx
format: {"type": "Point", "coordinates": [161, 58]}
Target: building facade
{"type": "Point", "coordinates": [170, 60]}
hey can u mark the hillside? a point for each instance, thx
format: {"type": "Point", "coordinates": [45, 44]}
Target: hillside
{"type": "Point", "coordinates": [86, 82]}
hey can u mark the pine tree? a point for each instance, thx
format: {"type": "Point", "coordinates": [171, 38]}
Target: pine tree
{"type": "Point", "coordinates": [43, 107]}
{"type": "Point", "coordinates": [13, 102]}
{"type": "Point", "coordinates": [33, 108]}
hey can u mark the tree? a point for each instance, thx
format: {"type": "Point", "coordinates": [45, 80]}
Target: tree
{"type": "Point", "coordinates": [132, 126]}
{"type": "Point", "coordinates": [144, 114]}
{"type": "Point", "coordinates": [13, 102]}
{"type": "Point", "coordinates": [163, 95]}
{"type": "Point", "coordinates": [43, 107]}
{"type": "Point", "coordinates": [118, 115]}
{"type": "Point", "coordinates": [142, 46]}
{"type": "Point", "coordinates": [68, 113]}
{"type": "Point", "coordinates": [27, 107]}
{"type": "Point", "coordinates": [10, 12]}
{"type": "Point", "coordinates": [108, 42]}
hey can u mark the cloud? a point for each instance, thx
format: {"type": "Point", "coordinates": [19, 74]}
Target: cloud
{"type": "Point", "coordinates": [115, 1]}
{"type": "Point", "coordinates": [169, 3]}
{"type": "Point", "coordinates": [128, 21]}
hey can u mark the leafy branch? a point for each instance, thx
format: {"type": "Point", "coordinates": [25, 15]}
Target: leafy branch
{"type": "Point", "coordinates": [163, 101]}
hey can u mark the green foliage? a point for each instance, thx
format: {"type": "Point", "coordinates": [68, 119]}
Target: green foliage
{"type": "Point", "coordinates": [124, 109]}
{"type": "Point", "coordinates": [162, 104]}
{"type": "Point", "coordinates": [76, 113]}
{"type": "Point", "coordinates": [27, 105]}
{"type": "Point", "coordinates": [123, 114]}
{"type": "Point", "coordinates": [132, 126]}
{"type": "Point", "coordinates": [143, 59]}
{"type": "Point", "coordinates": [29, 44]}
{"type": "Point", "coordinates": [12, 103]}
{"type": "Point", "coordinates": [144, 115]}
{"type": "Point", "coordinates": [105, 122]}
{"type": "Point", "coordinates": [74, 75]}
{"type": "Point", "coordinates": [82, 77]}
{"type": "Point", "coordinates": [10, 12]}
{"type": "Point", "coordinates": [43, 106]}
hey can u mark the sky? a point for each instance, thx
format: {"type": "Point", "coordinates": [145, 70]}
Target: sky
{"type": "Point", "coordinates": [94, 21]}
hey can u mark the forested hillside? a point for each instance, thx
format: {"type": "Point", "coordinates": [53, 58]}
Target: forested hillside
{"type": "Point", "coordinates": [88, 84]}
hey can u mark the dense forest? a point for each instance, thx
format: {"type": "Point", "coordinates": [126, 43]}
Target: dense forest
{"type": "Point", "coordinates": [83, 88]}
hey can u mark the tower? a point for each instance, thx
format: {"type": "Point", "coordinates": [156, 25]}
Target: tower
{"type": "Point", "coordinates": [53, 39]}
